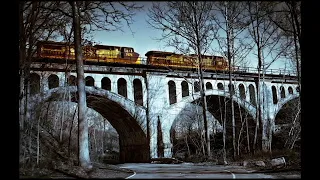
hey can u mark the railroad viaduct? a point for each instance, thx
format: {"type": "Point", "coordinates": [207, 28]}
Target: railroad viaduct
{"type": "Point", "coordinates": [129, 96]}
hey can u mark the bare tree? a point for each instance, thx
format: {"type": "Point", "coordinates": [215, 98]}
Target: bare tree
{"type": "Point", "coordinates": [266, 38]}
{"type": "Point", "coordinates": [159, 139]}
{"type": "Point", "coordinates": [45, 21]}
{"type": "Point", "coordinates": [186, 25]}
{"type": "Point", "coordinates": [287, 17]}
{"type": "Point", "coordinates": [35, 23]}
{"type": "Point", "coordinates": [188, 131]}
{"type": "Point", "coordinates": [230, 20]}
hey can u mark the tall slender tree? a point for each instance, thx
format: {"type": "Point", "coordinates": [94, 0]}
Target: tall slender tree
{"type": "Point", "coordinates": [84, 158]}
{"type": "Point", "coordinates": [287, 17]}
{"type": "Point", "coordinates": [35, 23]}
{"type": "Point", "coordinates": [187, 27]}
{"type": "Point", "coordinates": [266, 39]}
{"type": "Point", "coordinates": [230, 21]}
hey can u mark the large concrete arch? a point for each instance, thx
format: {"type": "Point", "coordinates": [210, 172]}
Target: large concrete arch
{"type": "Point", "coordinates": [282, 102]}
{"type": "Point", "coordinates": [173, 110]}
{"type": "Point", "coordinates": [123, 114]}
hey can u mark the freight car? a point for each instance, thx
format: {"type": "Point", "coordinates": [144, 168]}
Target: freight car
{"type": "Point", "coordinates": [96, 53]}
{"type": "Point", "coordinates": [173, 60]}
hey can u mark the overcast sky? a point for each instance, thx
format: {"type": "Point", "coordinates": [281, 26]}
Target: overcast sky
{"type": "Point", "coordinates": [143, 38]}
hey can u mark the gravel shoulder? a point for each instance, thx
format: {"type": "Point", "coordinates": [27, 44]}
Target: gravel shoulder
{"type": "Point", "coordinates": [99, 171]}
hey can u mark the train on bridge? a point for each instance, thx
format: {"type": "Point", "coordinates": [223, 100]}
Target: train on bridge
{"type": "Point", "coordinates": [126, 55]}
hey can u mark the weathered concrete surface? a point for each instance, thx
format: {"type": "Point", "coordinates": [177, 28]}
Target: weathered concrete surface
{"type": "Point", "coordinates": [123, 114]}
{"type": "Point", "coordinates": [156, 95]}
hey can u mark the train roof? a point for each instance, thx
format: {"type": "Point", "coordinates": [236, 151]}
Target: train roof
{"type": "Point", "coordinates": [99, 46]}
{"type": "Point", "coordinates": [159, 52]}
{"type": "Point", "coordinates": [171, 53]}
{"type": "Point", "coordinates": [65, 43]}
{"type": "Point", "coordinates": [214, 56]}
{"type": "Point", "coordinates": [51, 43]}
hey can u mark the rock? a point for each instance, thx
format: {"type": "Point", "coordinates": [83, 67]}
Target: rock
{"type": "Point", "coordinates": [260, 164]}
{"type": "Point", "coordinates": [247, 164]}
{"type": "Point", "coordinates": [253, 164]}
{"type": "Point", "coordinates": [221, 162]}
{"type": "Point", "coordinates": [180, 155]}
{"type": "Point", "coordinates": [278, 162]}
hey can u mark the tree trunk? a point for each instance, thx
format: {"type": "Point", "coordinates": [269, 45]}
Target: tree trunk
{"type": "Point", "coordinates": [248, 137]}
{"type": "Point", "coordinates": [204, 107]}
{"type": "Point", "coordinates": [70, 132]}
{"type": "Point", "coordinates": [147, 111]}
{"type": "Point", "coordinates": [258, 112]}
{"type": "Point", "coordinates": [84, 158]}
{"type": "Point", "coordinates": [103, 135]}
{"type": "Point", "coordinates": [160, 146]}
{"type": "Point", "coordinates": [296, 38]}
{"type": "Point", "coordinates": [231, 89]}
{"type": "Point", "coordinates": [62, 118]}
{"type": "Point", "coordinates": [240, 132]}
{"type": "Point", "coordinates": [38, 141]}
{"type": "Point", "coordinates": [22, 59]}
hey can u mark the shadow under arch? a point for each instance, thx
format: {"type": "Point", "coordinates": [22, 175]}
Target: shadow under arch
{"type": "Point", "coordinates": [288, 113]}
{"type": "Point", "coordinates": [245, 123]}
{"type": "Point", "coordinates": [219, 106]}
{"type": "Point", "coordinates": [133, 142]}
{"type": "Point", "coordinates": [185, 131]}
{"type": "Point", "coordinates": [285, 102]}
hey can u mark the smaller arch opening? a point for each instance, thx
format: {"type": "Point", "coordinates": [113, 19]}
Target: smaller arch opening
{"type": "Point", "coordinates": [122, 87]}
{"type": "Point", "coordinates": [53, 81]}
{"type": "Point", "coordinates": [274, 95]}
{"type": "Point", "coordinates": [208, 85]}
{"type": "Point", "coordinates": [172, 92]}
{"type": "Point", "coordinates": [282, 92]}
{"type": "Point", "coordinates": [185, 88]}
{"type": "Point", "coordinates": [34, 83]}
{"type": "Point", "coordinates": [89, 81]}
{"type": "Point", "coordinates": [196, 86]}
{"type": "Point", "coordinates": [220, 86]}
{"type": "Point", "coordinates": [242, 91]}
{"type": "Point", "coordinates": [138, 95]}
{"type": "Point", "coordinates": [72, 80]}
{"type": "Point", "coordinates": [231, 89]}
{"type": "Point", "coordinates": [290, 90]}
{"type": "Point", "coordinates": [252, 95]}
{"type": "Point", "coordinates": [106, 83]}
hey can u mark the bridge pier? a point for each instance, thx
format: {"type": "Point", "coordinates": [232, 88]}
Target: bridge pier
{"type": "Point", "coordinates": [268, 113]}
{"type": "Point", "coordinates": [168, 150]}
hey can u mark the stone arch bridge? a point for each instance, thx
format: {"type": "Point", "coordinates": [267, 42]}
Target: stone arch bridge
{"type": "Point", "coordinates": [130, 96]}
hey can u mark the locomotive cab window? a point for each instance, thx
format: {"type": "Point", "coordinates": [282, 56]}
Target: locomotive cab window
{"type": "Point", "coordinates": [126, 52]}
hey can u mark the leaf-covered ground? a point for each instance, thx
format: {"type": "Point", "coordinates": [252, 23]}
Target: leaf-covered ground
{"type": "Point", "coordinates": [99, 171]}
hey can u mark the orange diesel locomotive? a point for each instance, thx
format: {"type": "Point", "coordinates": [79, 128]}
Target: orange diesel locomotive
{"type": "Point", "coordinates": [96, 53]}
{"type": "Point", "coordinates": [126, 55]}
{"type": "Point", "coordinates": [173, 60]}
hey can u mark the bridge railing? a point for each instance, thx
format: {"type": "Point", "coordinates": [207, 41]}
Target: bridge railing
{"type": "Point", "coordinates": [279, 71]}
{"type": "Point", "coordinates": [240, 69]}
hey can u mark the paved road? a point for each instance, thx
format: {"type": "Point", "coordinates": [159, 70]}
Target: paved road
{"type": "Point", "coordinates": [189, 170]}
